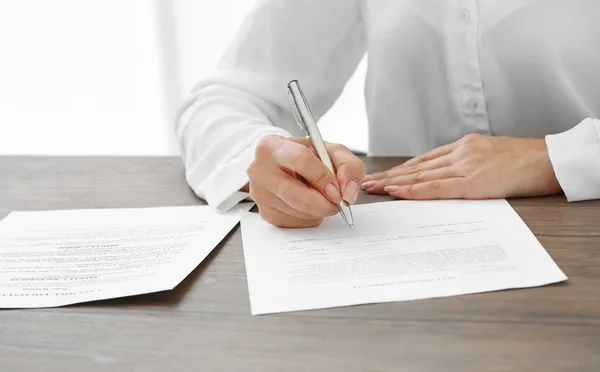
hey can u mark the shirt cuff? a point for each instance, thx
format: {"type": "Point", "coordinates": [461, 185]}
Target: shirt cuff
{"type": "Point", "coordinates": [575, 157]}
{"type": "Point", "coordinates": [223, 191]}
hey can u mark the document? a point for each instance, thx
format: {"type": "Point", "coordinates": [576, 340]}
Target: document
{"type": "Point", "coordinates": [399, 250]}
{"type": "Point", "coordinates": [56, 258]}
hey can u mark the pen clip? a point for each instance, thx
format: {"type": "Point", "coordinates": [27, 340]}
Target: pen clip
{"type": "Point", "coordinates": [294, 108]}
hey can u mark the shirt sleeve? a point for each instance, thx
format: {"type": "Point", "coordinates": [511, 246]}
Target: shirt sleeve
{"type": "Point", "coordinates": [319, 43]}
{"type": "Point", "coordinates": [575, 157]}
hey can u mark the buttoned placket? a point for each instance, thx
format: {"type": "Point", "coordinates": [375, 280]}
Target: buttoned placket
{"type": "Point", "coordinates": [466, 81]}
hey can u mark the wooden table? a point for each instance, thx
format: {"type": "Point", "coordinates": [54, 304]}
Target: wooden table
{"type": "Point", "coordinates": [205, 323]}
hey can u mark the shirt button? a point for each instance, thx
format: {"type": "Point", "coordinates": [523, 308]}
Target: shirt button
{"type": "Point", "coordinates": [472, 104]}
{"type": "Point", "coordinates": [465, 15]}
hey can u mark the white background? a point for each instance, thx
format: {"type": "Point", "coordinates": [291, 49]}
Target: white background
{"type": "Point", "coordinates": [104, 77]}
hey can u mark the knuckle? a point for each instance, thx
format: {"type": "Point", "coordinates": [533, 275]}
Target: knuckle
{"type": "Point", "coordinates": [252, 169]}
{"type": "Point", "coordinates": [424, 157]}
{"type": "Point", "coordinates": [418, 177]}
{"type": "Point", "coordinates": [471, 137]}
{"type": "Point", "coordinates": [324, 173]}
{"type": "Point", "coordinates": [253, 194]}
{"type": "Point", "coordinates": [333, 146]}
{"type": "Point", "coordinates": [464, 150]}
{"type": "Point", "coordinates": [357, 165]}
{"type": "Point", "coordinates": [264, 144]}
{"type": "Point", "coordinates": [339, 147]}
{"type": "Point", "coordinates": [380, 175]}
{"type": "Point", "coordinates": [416, 168]}
{"type": "Point", "coordinates": [469, 162]}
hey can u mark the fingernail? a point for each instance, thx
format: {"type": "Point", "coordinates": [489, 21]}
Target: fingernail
{"type": "Point", "coordinates": [368, 177]}
{"type": "Point", "coordinates": [351, 192]}
{"type": "Point", "coordinates": [391, 188]}
{"type": "Point", "coordinates": [333, 193]}
{"type": "Point", "coordinates": [369, 184]}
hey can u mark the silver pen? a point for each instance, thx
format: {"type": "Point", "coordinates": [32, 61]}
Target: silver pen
{"type": "Point", "coordinates": [307, 124]}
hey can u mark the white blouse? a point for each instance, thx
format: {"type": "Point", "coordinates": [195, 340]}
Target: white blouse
{"type": "Point", "coordinates": [437, 70]}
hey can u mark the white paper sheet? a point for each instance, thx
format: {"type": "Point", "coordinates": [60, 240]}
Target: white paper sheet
{"type": "Point", "coordinates": [56, 258]}
{"type": "Point", "coordinates": [400, 250]}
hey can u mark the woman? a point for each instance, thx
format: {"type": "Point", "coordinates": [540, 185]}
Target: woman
{"type": "Point", "coordinates": [500, 98]}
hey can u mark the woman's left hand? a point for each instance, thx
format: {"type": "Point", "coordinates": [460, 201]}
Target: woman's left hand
{"type": "Point", "coordinates": [474, 167]}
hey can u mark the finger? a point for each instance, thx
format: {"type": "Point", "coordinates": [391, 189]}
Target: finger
{"type": "Point", "coordinates": [430, 155]}
{"type": "Point", "coordinates": [442, 161]}
{"type": "Point", "coordinates": [350, 170]}
{"type": "Point", "coordinates": [277, 218]}
{"type": "Point", "coordinates": [450, 188]}
{"type": "Point", "coordinates": [300, 159]}
{"type": "Point", "coordinates": [295, 194]}
{"type": "Point", "coordinates": [414, 178]}
{"type": "Point", "coordinates": [264, 197]}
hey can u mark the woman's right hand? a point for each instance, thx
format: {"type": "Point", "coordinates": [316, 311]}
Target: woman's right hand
{"type": "Point", "coordinates": [283, 200]}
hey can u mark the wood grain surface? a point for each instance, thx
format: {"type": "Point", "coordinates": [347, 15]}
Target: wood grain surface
{"type": "Point", "coordinates": [205, 323]}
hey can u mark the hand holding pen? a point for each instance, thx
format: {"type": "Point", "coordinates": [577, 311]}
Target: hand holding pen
{"type": "Point", "coordinates": [293, 187]}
